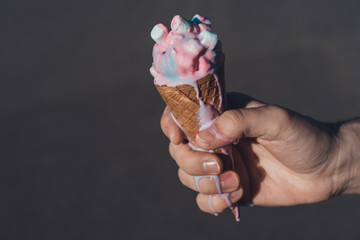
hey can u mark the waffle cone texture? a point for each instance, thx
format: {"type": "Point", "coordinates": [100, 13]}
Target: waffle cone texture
{"type": "Point", "coordinates": [184, 104]}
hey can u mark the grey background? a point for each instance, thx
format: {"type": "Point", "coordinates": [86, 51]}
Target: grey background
{"type": "Point", "coordinates": [82, 153]}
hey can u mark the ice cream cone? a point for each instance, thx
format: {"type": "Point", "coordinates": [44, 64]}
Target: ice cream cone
{"type": "Point", "coordinates": [184, 105]}
{"type": "Point", "coordinates": [188, 70]}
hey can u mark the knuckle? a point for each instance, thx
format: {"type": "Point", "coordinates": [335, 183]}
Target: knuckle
{"type": "Point", "coordinates": [207, 186]}
{"type": "Point", "coordinates": [232, 118]}
{"type": "Point", "coordinates": [282, 113]}
{"type": "Point", "coordinates": [253, 104]}
{"type": "Point", "coordinates": [278, 111]}
{"type": "Point", "coordinates": [283, 118]}
{"type": "Point", "coordinates": [235, 116]}
{"type": "Point", "coordinates": [185, 164]}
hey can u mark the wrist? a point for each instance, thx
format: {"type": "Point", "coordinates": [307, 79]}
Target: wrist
{"type": "Point", "coordinates": [349, 158]}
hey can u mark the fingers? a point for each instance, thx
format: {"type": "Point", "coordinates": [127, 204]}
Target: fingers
{"type": "Point", "coordinates": [170, 128]}
{"type": "Point", "coordinates": [217, 204]}
{"type": "Point", "coordinates": [267, 122]}
{"type": "Point", "coordinates": [195, 162]}
{"type": "Point", "coordinates": [229, 182]}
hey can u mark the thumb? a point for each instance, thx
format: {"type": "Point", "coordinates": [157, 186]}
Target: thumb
{"type": "Point", "coordinates": [266, 122]}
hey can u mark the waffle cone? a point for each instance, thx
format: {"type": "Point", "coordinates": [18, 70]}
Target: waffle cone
{"type": "Point", "coordinates": [184, 105]}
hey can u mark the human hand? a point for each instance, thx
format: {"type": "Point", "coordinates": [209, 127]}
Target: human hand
{"type": "Point", "coordinates": [282, 157]}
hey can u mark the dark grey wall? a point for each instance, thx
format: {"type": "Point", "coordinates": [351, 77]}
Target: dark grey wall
{"type": "Point", "coordinates": [82, 154]}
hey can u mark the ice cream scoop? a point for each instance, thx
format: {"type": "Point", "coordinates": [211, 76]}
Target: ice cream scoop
{"type": "Point", "coordinates": [187, 53]}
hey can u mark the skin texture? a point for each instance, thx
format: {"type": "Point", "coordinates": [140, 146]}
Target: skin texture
{"type": "Point", "coordinates": [281, 157]}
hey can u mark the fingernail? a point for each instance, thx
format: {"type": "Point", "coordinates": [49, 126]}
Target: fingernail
{"type": "Point", "coordinates": [204, 138]}
{"type": "Point", "coordinates": [228, 181]}
{"type": "Point", "coordinates": [211, 167]}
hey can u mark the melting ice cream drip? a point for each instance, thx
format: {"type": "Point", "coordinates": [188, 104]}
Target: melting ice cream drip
{"type": "Point", "coordinates": [215, 178]}
{"type": "Point", "coordinates": [210, 206]}
{"type": "Point", "coordinates": [206, 120]}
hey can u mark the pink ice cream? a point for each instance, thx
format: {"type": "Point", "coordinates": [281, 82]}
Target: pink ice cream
{"type": "Point", "coordinates": [187, 53]}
